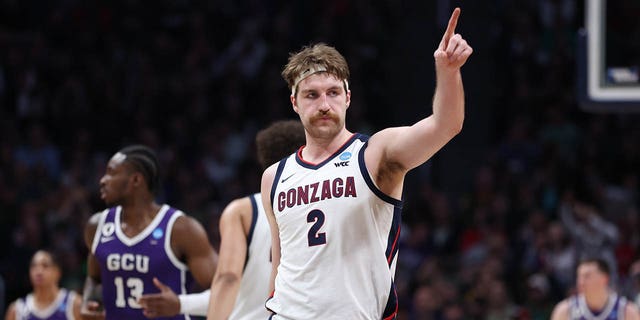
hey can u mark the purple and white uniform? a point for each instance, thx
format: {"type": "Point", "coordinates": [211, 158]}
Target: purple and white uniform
{"type": "Point", "coordinates": [613, 310]}
{"type": "Point", "coordinates": [59, 309]}
{"type": "Point", "coordinates": [128, 265]}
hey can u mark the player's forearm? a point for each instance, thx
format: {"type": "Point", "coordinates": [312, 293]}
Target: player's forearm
{"type": "Point", "coordinates": [224, 291]}
{"type": "Point", "coordinates": [448, 102]}
{"type": "Point", "coordinates": [91, 290]}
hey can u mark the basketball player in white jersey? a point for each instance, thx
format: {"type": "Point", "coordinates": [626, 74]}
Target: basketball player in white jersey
{"type": "Point", "coordinates": [47, 301]}
{"type": "Point", "coordinates": [334, 206]}
{"type": "Point", "coordinates": [241, 284]}
{"type": "Point", "coordinates": [595, 299]}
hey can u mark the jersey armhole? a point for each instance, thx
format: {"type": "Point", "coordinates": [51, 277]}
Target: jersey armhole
{"type": "Point", "coordinates": [167, 242]}
{"type": "Point", "coordinates": [96, 235]}
{"type": "Point", "coordinates": [276, 177]}
{"type": "Point", "coordinates": [372, 186]}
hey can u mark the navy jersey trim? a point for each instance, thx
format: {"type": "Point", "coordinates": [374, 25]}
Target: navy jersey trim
{"type": "Point", "coordinates": [394, 236]}
{"type": "Point", "coordinates": [273, 313]}
{"type": "Point", "coordinates": [391, 309]}
{"type": "Point", "coordinates": [367, 178]}
{"type": "Point", "coordinates": [254, 218]}
{"type": "Point", "coordinates": [275, 179]}
{"type": "Point", "coordinates": [312, 166]}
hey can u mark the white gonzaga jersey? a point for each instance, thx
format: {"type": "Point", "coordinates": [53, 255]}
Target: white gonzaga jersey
{"type": "Point", "coordinates": [338, 236]}
{"type": "Point", "coordinates": [254, 286]}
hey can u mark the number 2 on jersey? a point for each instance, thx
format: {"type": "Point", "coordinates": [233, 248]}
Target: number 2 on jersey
{"type": "Point", "coordinates": [316, 238]}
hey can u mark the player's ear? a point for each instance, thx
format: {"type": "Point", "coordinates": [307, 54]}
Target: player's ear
{"type": "Point", "coordinates": [137, 179]}
{"type": "Point", "coordinates": [348, 98]}
{"type": "Point", "coordinates": [294, 103]}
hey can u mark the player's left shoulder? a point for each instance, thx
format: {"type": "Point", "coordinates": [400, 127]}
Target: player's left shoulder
{"type": "Point", "coordinates": [185, 223]}
{"type": "Point", "coordinates": [188, 235]}
{"type": "Point", "coordinates": [561, 310]}
{"type": "Point", "coordinates": [631, 311]}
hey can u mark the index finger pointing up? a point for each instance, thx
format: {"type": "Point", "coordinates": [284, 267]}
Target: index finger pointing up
{"type": "Point", "coordinates": [451, 27]}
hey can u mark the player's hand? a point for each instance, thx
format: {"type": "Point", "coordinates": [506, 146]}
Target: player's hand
{"type": "Point", "coordinates": [453, 51]}
{"type": "Point", "coordinates": [162, 304]}
{"type": "Point", "coordinates": [91, 310]}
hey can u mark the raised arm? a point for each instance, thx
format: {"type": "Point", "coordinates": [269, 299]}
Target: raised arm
{"type": "Point", "coordinates": [233, 253]}
{"type": "Point", "coordinates": [91, 308]}
{"type": "Point", "coordinates": [394, 151]}
{"type": "Point", "coordinates": [265, 192]}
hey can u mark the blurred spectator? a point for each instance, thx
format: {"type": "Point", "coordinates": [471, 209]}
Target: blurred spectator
{"type": "Point", "coordinates": [427, 304]}
{"type": "Point", "coordinates": [633, 287]}
{"type": "Point", "coordinates": [592, 235]}
{"type": "Point", "coordinates": [2, 295]}
{"type": "Point", "coordinates": [538, 303]}
{"type": "Point", "coordinates": [499, 304]}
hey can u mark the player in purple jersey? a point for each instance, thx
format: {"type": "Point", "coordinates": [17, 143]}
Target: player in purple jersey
{"type": "Point", "coordinates": [240, 287]}
{"type": "Point", "coordinates": [137, 242]}
{"type": "Point", "coordinates": [318, 79]}
{"type": "Point", "coordinates": [47, 301]}
{"type": "Point", "coordinates": [595, 299]}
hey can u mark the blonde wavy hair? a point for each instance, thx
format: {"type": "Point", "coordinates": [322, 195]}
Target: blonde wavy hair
{"type": "Point", "coordinates": [315, 58]}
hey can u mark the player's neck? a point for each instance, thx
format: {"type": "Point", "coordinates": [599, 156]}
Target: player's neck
{"type": "Point", "coordinates": [45, 296]}
{"type": "Point", "coordinates": [318, 149]}
{"type": "Point", "coordinates": [597, 300]}
{"type": "Point", "coordinates": [139, 212]}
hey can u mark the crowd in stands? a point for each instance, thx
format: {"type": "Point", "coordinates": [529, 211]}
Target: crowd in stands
{"type": "Point", "coordinates": [195, 80]}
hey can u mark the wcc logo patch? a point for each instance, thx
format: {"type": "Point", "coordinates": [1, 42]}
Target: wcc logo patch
{"type": "Point", "coordinates": [345, 156]}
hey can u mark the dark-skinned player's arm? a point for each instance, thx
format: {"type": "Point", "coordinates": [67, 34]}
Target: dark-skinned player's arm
{"type": "Point", "coordinates": [190, 242]}
{"type": "Point", "coordinates": [91, 308]}
{"type": "Point", "coordinates": [191, 245]}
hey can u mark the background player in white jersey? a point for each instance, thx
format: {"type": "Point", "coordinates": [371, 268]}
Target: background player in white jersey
{"type": "Point", "coordinates": [240, 286]}
{"type": "Point", "coordinates": [47, 301]}
{"type": "Point", "coordinates": [594, 299]}
{"type": "Point", "coordinates": [137, 240]}
{"type": "Point", "coordinates": [333, 207]}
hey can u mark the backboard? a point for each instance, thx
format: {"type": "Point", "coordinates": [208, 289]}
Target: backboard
{"type": "Point", "coordinates": [609, 56]}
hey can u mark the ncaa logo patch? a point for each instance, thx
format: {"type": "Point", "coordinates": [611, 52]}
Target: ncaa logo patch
{"type": "Point", "coordinates": [345, 156]}
{"type": "Point", "coordinates": [157, 233]}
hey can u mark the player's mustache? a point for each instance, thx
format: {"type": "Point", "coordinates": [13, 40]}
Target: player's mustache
{"type": "Point", "coordinates": [324, 115]}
